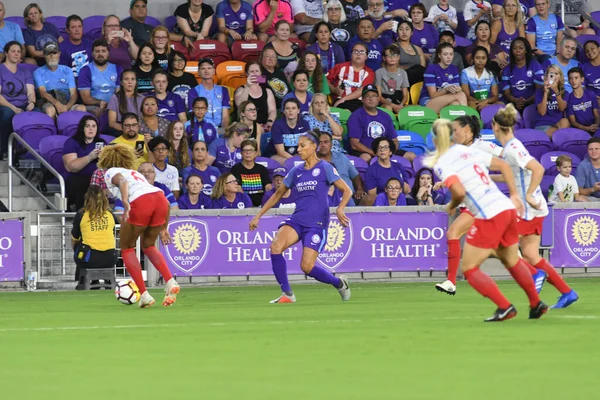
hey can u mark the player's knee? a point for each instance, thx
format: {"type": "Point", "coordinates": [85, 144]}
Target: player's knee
{"type": "Point", "coordinates": [306, 267]}
{"type": "Point", "coordinates": [466, 267]}
{"type": "Point", "coordinates": [276, 247]}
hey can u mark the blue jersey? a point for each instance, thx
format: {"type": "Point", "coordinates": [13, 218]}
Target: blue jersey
{"type": "Point", "coordinates": [61, 80]}
{"type": "Point", "coordinates": [101, 84]}
{"type": "Point", "coordinates": [218, 99]}
{"type": "Point", "coordinates": [479, 86]}
{"type": "Point", "coordinates": [545, 31]}
{"type": "Point", "coordinates": [10, 32]}
{"type": "Point", "coordinates": [565, 69]}
{"type": "Point", "coordinates": [235, 20]}
{"type": "Point", "coordinates": [311, 186]}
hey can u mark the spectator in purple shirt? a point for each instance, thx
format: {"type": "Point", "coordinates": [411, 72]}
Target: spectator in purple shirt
{"type": "Point", "coordinates": [592, 67]}
{"type": "Point", "coordinates": [170, 105]}
{"type": "Point", "coordinates": [424, 34]}
{"type": "Point", "coordinates": [80, 155]}
{"type": "Point", "coordinates": [227, 193]}
{"type": "Point", "coordinates": [194, 199]}
{"type": "Point", "coordinates": [392, 196]}
{"type": "Point", "coordinates": [38, 32]}
{"type": "Point", "coordinates": [230, 152]}
{"type": "Point", "coordinates": [235, 21]}
{"type": "Point", "coordinates": [286, 132]}
{"type": "Point", "coordinates": [582, 106]}
{"type": "Point", "coordinates": [75, 50]}
{"type": "Point", "coordinates": [123, 49]}
{"type": "Point", "coordinates": [383, 169]}
{"type": "Point", "coordinates": [365, 31]}
{"type": "Point", "coordinates": [551, 102]}
{"type": "Point", "coordinates": [288, 199]}
{"type": "Point", "coordinates": [522, 75]}
{"type": "Point", "coordinates": [385, 28]}
{"type": "Point", "coordinates": [425, 192]}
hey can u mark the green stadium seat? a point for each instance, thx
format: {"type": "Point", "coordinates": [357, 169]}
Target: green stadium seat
{"type": "Point", "coordinates": [343, 115]}
{"type": "Point", "coordinates": [417, 119]}
{"type": "Point", "coordinates": [392, 115]}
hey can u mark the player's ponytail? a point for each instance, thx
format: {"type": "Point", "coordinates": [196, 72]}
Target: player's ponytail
{"type": "Point", "coordinates": [505, 119]}
{"type": "Point", "coordinates": [442, 134]}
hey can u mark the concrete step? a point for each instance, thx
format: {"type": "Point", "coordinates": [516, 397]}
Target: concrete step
{"type": "Point", "coordinates": [3, 167]}
{"type": "Point", "coordinates": [18, 191]}
{"type": "Point", "coordinates": [26, 204]}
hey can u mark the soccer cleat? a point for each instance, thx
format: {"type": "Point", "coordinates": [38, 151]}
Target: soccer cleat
{"type": "Point", "coordinates": [537, 311]}
{"type": "Point", "coordinates": [344, 291]}
{"type": "Point", "coordinates": [502, 314]}
{"type": "Point", "coordinates": [146, 300]}
{"type": "Point", "coordinates": [172, 289]}
{"type": "Point", "coordinates": [539, 278]}
{"type": "Point", "coordinates": [566, 300]}
{"type": "Point", "coordinates": [446, 287]}
{"type": "Point", "coordinates": [284, 298]}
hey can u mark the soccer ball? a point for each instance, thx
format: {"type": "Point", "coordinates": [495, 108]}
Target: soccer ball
{"type": "Point", "coordinates": [127, 292]}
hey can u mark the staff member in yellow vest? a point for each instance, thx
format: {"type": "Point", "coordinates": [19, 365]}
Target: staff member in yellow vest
{"type": "Point", "coordinates": [93, 234]}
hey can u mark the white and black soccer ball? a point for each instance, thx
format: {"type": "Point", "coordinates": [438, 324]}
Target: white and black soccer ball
{"type": "Point", "coordinates": [127, 292]}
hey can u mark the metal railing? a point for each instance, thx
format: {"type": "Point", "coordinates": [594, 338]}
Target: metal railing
{"type": "Point", "coordinates": [12, 170]}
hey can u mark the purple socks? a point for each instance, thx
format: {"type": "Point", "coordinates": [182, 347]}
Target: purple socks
{"type": "Point", "coordinates": [323, 275]}
{"type": "Point", "coordinates": [280, 271]}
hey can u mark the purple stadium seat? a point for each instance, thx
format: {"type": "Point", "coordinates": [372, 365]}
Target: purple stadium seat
{"type": "Point", "coordinates": [33, 126]}
{"type": "Point", "coordinates": [59, 22]}
{"type": "Point", "coordinates": [51, 148]}
{"type": "Point", "coordinates": [107, 138]}
{"type": "Point", "coordinates": [487, 114]}
{"type": "Point", "coordinates": [584, 38]}
{"type": "Point", "coordinates": [153, 21]}
{"type": "Point", "coordinates": [408, 167]}
{"type": "Point", "coordinates": [170, 22]}
{"type": "Point", "coordinates": [462, 42]}
{"type": "Point", "coordinates": [547, 181]}
{"type": "Point", "coordinates": [360, 164]}
{"type": "Point", "coordinates": [269, 163]}
{"type": "Point", "coordinates": [29, 67]}
{"type": "Point", "coordinates": [17, 20]}
{"type": "Point", "coordinates": [548, 161]}
{"type": "Point", "coordinates": [462, 29]}
{"type": "Point", "coordinates": [536, 142]}
{"type": "Point", "coordinates": [530, 115]}
{"type": "Point", "coordinates": [67, 122]}
{"type": "Point", "coordinates": [572, 140]}
{"type": "Point", "coordinates": [418, 163]}
{"type": "Point", "coordinates": [292, 162]}
{"type": "Point", "coordinates": [92, 26]}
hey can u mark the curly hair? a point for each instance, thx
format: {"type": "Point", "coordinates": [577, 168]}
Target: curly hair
{"type": "Point", "coordinates": [96, 202]}
{"type": "Point", "coordinates": [117, 156]}
{"type": "Point", "coordinates": [218, 189]}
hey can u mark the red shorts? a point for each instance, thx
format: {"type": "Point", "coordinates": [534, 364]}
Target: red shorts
{"type": "Point", "coordinates": [465, 210]}
{"type": "Point", "coordinates": [532, 227]}
{"type": "Point", "coordinates": [500, 231]}
{"type": "Point", "coordinates": [149, 210]}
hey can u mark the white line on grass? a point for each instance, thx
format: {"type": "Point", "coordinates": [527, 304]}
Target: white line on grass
{"type": "Point", "coordinates": [221, 324]}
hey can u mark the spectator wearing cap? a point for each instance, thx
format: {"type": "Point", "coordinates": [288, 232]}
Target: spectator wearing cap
{"type": "Point", "coordinates": [267, 13]}
{"type": "Point", "coordinates": [55, 84]}
{"type": "Point", "coordinates": [346, 79]}
{"type": "Point", "coordinates": [38, 32]}
{"type": "Point", "coordinates": [9, 32]}
{"type": "Point", "coordinates": [253, 177]}
{"type": "Point", "coordinates": [75, 50]}
{"type": "Point", "coordinates": [194, 19]}
{"type": "Point", "coordinates": [136, 22]}
{"type": "Point", "coordinates": [235, 21]}
{"type": "Point", "coordinates": [216, 95]}
{"type": "Point", "coordinates": [342, 164]}
{"type": "Point", "coordinates": [369, 123]}
{"type": "Point", "coordinates": [288, 200]}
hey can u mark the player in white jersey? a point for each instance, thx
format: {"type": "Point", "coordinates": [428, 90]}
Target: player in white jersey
{"type": "Point", "coordinates": [466, 132]}
{"type": "Point", "coordinates": [528, 173]}
{"type": "Point", "coordinates": [146, 214]}
{"type": "Point", "coordinates": [464, 171]}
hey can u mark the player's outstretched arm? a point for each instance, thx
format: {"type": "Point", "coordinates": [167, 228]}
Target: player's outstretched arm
{"type": "Point", "coordinates": [268, 205]}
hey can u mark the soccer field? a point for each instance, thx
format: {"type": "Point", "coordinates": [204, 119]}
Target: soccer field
{"type": "Point", "coordinates": [391, 341]}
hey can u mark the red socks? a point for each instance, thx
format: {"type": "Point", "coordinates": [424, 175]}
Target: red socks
{"type": "Point", "coordinates": [521, 274]}
{"type": "Point", "coordinates": [453, 259]}
{"type": "Point", "coordinates": [134, 268]}
{"type": "Point", "coordinates": [532, 270]}
{"type": "Point", "coordinates": [487, 287]}
{"type": "Point", "coordinates": [159, 262]}
{"type": "Point", "coordinates": [553, 277]}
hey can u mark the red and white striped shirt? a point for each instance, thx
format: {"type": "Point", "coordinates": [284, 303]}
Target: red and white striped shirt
{"type": "Point", "coordinates": [348, 79]}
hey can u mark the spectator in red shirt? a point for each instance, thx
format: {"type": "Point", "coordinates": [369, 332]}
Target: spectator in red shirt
{"type": "Point", "coordinates": [347, 79]}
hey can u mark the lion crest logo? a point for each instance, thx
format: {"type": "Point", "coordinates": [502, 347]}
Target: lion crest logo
{"type": "Point", "coordinates": [190, 243]}
{"type": "Point", "coordinates": [581, 233]}
{"type": "Point", "coordinates": [338, 245]}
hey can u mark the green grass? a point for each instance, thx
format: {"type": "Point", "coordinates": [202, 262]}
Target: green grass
{"type": "Point", "coordinates": [391, 341]}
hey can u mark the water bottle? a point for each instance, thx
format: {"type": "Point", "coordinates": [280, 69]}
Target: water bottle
{"type": "Point", "coordinates": [32, 281]}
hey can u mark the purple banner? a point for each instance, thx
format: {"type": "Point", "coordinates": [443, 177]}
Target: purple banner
{"type": "Point", "coordinates": [374, 242]}
{"type": "Point", "coordinates": [11, 251]}
{"type": "Point", "coordinates": [576, 238]}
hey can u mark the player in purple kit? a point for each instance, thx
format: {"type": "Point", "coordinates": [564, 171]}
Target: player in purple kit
{"type": "Point", "coordinates": [310, 220]}
{"type": "Point", "coordinates": [582, 106]}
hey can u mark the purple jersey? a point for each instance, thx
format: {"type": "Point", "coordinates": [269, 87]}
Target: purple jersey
{"type": "Point", "coordinates": [170, 107]}
{"type": "Point", "coordinates": [366, 127]}
{"type": "Point", "coordinates": [38, 39]}
{"type": "Point", "coordinates": [377, 176]}
{"type": "Point", "coordinates": [374, 49]}
{"type": "Point", "coordinates": [225, 160]}
{"type": "Point", "coordinates": [234, 20]}
{"type": "Point", "coordinates": [592, 77]}
{"type": "Point", "coordinates": [204, 202]}
{"type": "Point", "coordinates": [14, 86]}
{"type": "Point", "coordinates": [312, 186]}
{"type": "Point", "coordinates": [438, 78]}
{"type": "Point", "coordinates": [72, 146]}
{"type": "Point", "coordinates": [583, 108]}
{"type": "Point", "coordinates": [388, 36]}
{"type": "Point", "coordinates": [242, 200]}
{"type": "Point", "coordinates": [382, 201]}
{"type": "Point", "coordinates": [553, 114]}
{"type": "Point", "coordinates": [522, 81]}
{"type": "Point", "coordinates": [285, 202]}
{"type": "Point", "coordinates": [504, 39]}
{"type": "Point", "coordinates": [281, 133]}
{"type": "Point", "coordinates": [203, 130]}
{"type": "Point", "coordinates": [427, 38]}
{"type": "Point", "coordinates": [329, 58]}
{"type": "Point", "coordinates": [75, 56]}
{"type": "Point", "coordinates": [304, 107]}
{"type": "Point", "coordinates": [209, 176]}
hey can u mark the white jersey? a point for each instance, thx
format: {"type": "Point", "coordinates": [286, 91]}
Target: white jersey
{"type": "Point", "coordinates": [567, 185]}
{"type": "Point", "coordinates": [517, 156]}
{"type": "Point", "coordinates": [137, 184]}
{"type": "Point", "coordinates": [470, 166]}
{"type": "Point", "coordinates": [442, 26]}
{"type": "Point", "coordinates": [168, 177]}
{"type": "Point", "coordinates": [487, 147]}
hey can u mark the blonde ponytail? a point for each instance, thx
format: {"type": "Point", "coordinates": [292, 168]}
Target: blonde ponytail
{"type": "Point", "coordinates": [506, 118]}
{"type": "Point", "coordinates": [442, 132]}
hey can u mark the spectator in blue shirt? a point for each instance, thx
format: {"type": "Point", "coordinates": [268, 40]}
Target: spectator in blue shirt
{"type": "Point", "coordinates": [217, 96]}
{"type": "Point", "coordinates": [565, 59]}
{"type": "Point", "coordinates": [9, 32]}
{"type": "Point", "coordinates": [544, 31]}
{"type": "Point", "coordinates": [588, 171]}
{"type": "Point", "coordinates": [55, 84]}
